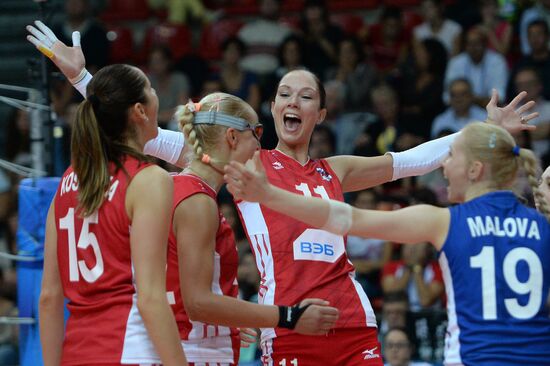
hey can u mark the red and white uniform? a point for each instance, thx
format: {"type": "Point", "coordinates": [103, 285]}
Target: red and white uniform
{"type": "Point", "coordinates": [95, 267]}
{"type": "Point", "coordinates": [295, 260]}
{"type": "Point", "coordinates": [205, 343]}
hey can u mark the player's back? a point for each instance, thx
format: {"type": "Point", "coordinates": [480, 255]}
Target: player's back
{"type": "Point", "coordinates": [496, 266]}
{"type": "Point", "coordinates": [203, 342]}
{"type": "Point", "coordinates": [95, 266]}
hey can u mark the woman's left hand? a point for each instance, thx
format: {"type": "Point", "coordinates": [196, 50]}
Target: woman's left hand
{"type": "Point", "coordinates": [508, 117]}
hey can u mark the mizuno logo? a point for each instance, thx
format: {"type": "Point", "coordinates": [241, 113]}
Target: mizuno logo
{"type": "Point", "coordinates": [277, 165]}
{"type": "Point", "coordinates": [369, 353]}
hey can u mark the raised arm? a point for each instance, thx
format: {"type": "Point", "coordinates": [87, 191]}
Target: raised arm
{"type": "Point", "coordinates": [195, 225]}
{"type": "Point", "coordinates": [69, 60]}
{"type": "Point", "coordinates": [415, 224]}
{"type": "Point", "coordinates": [168, 145]}
{"type": "Point", "coordinates": [357, 173]}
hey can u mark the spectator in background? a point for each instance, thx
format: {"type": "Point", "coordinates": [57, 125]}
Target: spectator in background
{"type": "Point", "coordinates": [233, 79]}
{"type": "Point", "coordinates": [95, 45]}
{"type": "Point", "coordinates": [539, 11]}
{"type": "Point", "coordinates": [379, 137]}
{"type": "Point", "coordinates": [398, 349]}
{"type": "Point", "coordinates": [538, 57]}
{"type": "Point", "coordinates": [484, 68]}
{"type": "Point", "coordinates": [172, 87]}
{"type": "Point", "coordinates": [395, 313]}
{"type": "Point", "coordinates": [291, 56]}
{"type": "Point", "coordinates": [344, 125]}
{"type": "Point", "coordinates": [323, 142]}
{"type": "Point", "coordinates": [435, 25]}
{"type": "Point", "coordinates": [497, 30]}
{"type": "Point", "coordinates": [421, 87]}
{"type": "Point", "coordinates": [461, 111]}
{"type": "Point", "coordinates": [528, 79]}
{"type": "Point", "coordinates": [18, 141]}
{"type": "Point", "coordinates": [357, 76]}
{"type": "Point", "coordinates": [181, 11]}
{"type": "Point", "coordinates": [262, 37]}
{"type": "Point", "coordinates": [368, 255]}
{"type": "Point", "coordinates": [387, 42]}
{"type": "Point", "coordinates": [418, 274]}
{"type": "Point", "coordinates": [320, 36]}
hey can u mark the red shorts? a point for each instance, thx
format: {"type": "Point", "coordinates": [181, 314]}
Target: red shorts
{"type": "Point", "coordinates": [341, 347]}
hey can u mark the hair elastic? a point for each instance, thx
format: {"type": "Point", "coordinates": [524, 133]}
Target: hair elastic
{"type": "Point", "coordinates": [515, 150]}
{"type": "Point", "coordinates": [193, 107]}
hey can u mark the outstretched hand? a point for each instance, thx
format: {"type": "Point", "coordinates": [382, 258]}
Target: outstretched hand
{"type": "Point", "coordinates": [508, 117]}
{"type": "Point", "coordinates": [318, 318]}
{"type": "Point", "coordinates": [69, 60]}
{"type": "Point", "coordinates": [248, 183]}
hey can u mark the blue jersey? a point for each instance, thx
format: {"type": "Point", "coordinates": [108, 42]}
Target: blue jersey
{"type": "Point", "coordinates": [496, 267]}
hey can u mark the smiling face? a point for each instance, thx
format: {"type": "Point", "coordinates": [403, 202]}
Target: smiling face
{"type": "Point", "coordinates": [455, 170]}
{"type": "Point", "coordinates": [296, 110]}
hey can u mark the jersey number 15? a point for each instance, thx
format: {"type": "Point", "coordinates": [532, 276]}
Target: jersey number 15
{"type": "Point", "coordinates": [86, 239]}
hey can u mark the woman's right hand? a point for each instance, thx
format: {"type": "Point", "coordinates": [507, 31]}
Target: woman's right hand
{"type": "Point", "coordinates": [69, 60]}
{"type": "Point", "coordinates": [318, 318]}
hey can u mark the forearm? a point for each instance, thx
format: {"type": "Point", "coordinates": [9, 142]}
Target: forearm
{"type": "Point", "coordinates": [231, 312]}
{"type": "Point", "coordinates": [161, 327]}
{"type": "Point", "coordinates": [426, 294]}
{"type": "Point", "coordinates": [421, 159]}
{"type": "Point", "coordinates": [392, 283]}
{"type": "Point", "coordinates": [311, 210]}
{"type": "Point", "coordinates": [52, 331]}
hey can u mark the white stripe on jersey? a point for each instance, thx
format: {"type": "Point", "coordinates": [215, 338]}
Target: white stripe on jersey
{"type": "Point", "coordinates": [452, 341]}
{"type": "Point", "coordinates": [209, 342]}
{"type": "Point", "coordinates": [137, 347]}
{"type": "Point", "coordinates": [365, 302]}
{"type": "Point", "coordinates": [256, 227]}
{"type": "Point", "coordinates": [267, 351]}
{"type": "Point", "coordinates": [209, 350]}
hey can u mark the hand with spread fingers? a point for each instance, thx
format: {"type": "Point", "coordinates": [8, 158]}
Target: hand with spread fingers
{"type": "Point", "coordinates": [508, 117]}
{"type": "Point", "coordinates": [247, 182]}
{"type": "Point", "coordinates": [69, 60]}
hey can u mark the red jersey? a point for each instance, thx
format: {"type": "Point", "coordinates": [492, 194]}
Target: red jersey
{"type": "Point", "coordinates": [95, 267]}
{"type": "Point", "coordinates": [205, 342]}
{"type": "Point", "coordinates": [297, 261]}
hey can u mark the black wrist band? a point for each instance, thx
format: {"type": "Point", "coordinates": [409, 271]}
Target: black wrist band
{"type": "Point", "coordinates": [289, 315]}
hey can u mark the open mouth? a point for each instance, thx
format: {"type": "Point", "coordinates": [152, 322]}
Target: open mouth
{"type": "Point", "coordinates": [292, 121]}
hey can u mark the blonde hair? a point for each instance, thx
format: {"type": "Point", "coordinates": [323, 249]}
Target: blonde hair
{"type": "Point", "coordinates": [204, 137]}
{"type": "Point", "coordinates": [495, 146]}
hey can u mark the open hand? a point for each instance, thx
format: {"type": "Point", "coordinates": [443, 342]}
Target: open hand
{"type": "Point", "coordinates": [248, 183]}
{"type": "Point", "coordinates": [69, 60]}
{"type": "Point", "coordinates": [508, 117]}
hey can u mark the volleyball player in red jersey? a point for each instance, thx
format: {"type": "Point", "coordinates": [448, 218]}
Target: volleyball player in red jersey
{"type": "Point", "coordinates": [202, 257]}
{"type": "Point", "coordinates": [106, 234]}
{"type": "Point", "coordinates": [295, 260]}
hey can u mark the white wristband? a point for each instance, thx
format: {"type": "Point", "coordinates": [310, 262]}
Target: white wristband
{"type": "Point", "coordinates": [421, 159]}
{"type": "Point", "coordinates": [166, 146]}
{"type": "Point", "coordinates": [81, 81]}
{"type": "Point", "coordinates": [339, 219]}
